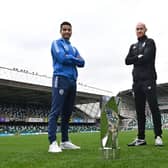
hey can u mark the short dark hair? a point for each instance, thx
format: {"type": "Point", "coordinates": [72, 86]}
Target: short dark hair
{"type": "Point", "coordinates": [65, 23]}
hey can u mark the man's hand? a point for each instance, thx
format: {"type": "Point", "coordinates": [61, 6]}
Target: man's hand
{"type": "Point", "coordinates": [140, 56]}
{"type": "Point", "coordinates": [79, 57]}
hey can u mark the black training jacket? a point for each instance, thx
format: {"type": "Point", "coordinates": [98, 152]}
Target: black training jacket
{"type": "Point", "coordinates": [144, 66]}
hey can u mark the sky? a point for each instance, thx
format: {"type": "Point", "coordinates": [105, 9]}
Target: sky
{"type": "Point", "coordinates": [103, 31]}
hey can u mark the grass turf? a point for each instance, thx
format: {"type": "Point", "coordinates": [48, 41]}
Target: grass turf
{"type": "Point", "coordinates": [31, 152]}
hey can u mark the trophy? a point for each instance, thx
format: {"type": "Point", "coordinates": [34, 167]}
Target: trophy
{"type": "Point", "coordinates": [109, 128]}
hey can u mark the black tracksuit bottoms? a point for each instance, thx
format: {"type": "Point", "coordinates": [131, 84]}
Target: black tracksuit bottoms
{"type": "Point", "coordinates": [146, 91]}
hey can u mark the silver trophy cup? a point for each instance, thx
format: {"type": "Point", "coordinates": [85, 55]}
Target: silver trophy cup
{"type": "Point", "coordinates": [109, 128]}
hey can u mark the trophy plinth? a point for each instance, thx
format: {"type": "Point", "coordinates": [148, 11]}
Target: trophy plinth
{"type": "Point", "coordinates": [111, 153]}
{"type": "Point", "coordinates": [109, 130]}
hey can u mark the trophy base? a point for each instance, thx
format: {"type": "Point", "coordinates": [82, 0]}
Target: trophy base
{"type": "Point", "coordinates": [111, 153]}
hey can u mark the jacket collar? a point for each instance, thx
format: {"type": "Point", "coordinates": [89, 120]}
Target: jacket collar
{"type": "Point", "coordinates": [65, 41]}
{"type": "Point", "coordinates": [142, 38]}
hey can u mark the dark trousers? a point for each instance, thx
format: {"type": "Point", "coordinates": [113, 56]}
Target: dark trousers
{"type": "Point", "coordinates": [63, 98]}
{"type": "Point", "coordinates": [146, 90]}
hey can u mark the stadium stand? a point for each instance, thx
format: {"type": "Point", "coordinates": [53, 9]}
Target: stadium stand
{"type": "Point", "coordinates": [25, 103]}
{"type": "Point", "coordinates": [127, 108]}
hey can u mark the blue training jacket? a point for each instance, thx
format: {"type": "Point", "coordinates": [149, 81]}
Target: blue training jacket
{"type": "Point", "coordinates": [66, 59]}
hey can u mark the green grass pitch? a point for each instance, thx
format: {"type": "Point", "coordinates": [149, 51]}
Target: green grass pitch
{"type": "Point", "coordinates": [31, 152]}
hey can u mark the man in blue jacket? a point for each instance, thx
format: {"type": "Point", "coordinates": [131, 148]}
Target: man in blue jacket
{"type": "Point", "coordinates": [66, 59]}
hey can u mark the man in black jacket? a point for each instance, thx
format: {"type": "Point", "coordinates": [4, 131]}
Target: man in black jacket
{"type": "Point", "coordinates": [142, 56]}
